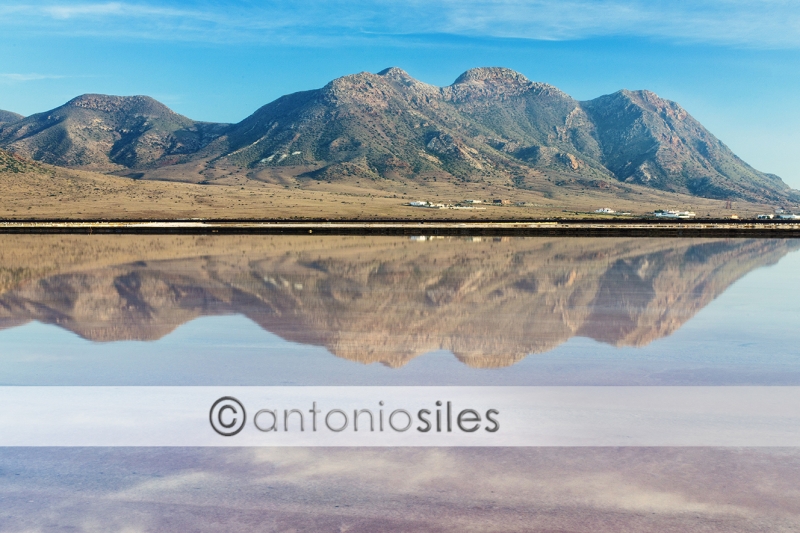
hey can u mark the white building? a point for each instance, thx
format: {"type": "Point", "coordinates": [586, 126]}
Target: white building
{"type": "Point", "coordinates": [674, 214]}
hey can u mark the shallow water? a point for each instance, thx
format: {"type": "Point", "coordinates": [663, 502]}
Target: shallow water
{"type": "Point", "coordinates": [268, 310]}
{"type": "Point", "coordinates": [392, 311]}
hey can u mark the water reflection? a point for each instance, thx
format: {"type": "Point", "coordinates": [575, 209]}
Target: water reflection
{"type": "Point", "coordinates": [490, 302]}
{"type": "Point", "coordinates": [393, 490]}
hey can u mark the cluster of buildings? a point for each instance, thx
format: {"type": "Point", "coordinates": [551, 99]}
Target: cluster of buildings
{"type": "Point", "coordinates": [779, 216]}
{"type": "Point", "coordinates": [466, 204]}
{"type": "Point", "coordinates": [659, 213]}
{"type": "Point", "coordinates": [688, 214]}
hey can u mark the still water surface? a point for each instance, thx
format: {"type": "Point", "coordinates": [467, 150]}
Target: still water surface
{"type": "Point", "coordinates": [185, 310]}
{"type": "Point", "coordinates": [100, 310]}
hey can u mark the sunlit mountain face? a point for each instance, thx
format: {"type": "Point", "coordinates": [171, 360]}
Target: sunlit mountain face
{"type": "Point", "coordinates": [489, 301]}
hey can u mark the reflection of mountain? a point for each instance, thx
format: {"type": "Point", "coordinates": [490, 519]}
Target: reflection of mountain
{"type": "Point", "coordinates": [377, 299]}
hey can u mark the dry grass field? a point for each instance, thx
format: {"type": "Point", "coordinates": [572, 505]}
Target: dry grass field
{"type": "Point", "coordinates": [38, 191]}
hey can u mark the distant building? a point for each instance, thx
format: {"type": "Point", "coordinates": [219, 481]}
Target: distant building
{"type": "Point", "coordinates": [788, 216]}
{"type": "Point", "coordinates": [765, 217]}
{"type": "Point", "coordinates": [606, 210]}
{"type": "Point", "coordinates": [674, 214]}
{"type": "Point", "coordinates": [473, 201]}
{"type": "Point", "coordinates": [499, 201]}
{"type": "Point", "coordinates": [423, 203]}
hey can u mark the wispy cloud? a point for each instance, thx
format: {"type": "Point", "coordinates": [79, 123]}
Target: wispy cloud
{"type": "Point", "coordinates": [752, 23]}
{"type": "Point", "coordinates": [772, 23]}
{"type": "Point", "coordinates": [17, 77]}
{"type": "Point", "coordinates": [77, 11]}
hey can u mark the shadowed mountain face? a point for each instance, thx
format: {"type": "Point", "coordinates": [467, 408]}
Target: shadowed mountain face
{"type": "Point", "coordinates": [491, 125]}
{"type": "Point", "coordinates": [378, 299]}
{"type": "Point", "coordinates": [108, 133]}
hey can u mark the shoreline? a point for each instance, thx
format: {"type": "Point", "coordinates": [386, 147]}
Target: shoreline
{"type": "Point", "coordinates": [585, 227]}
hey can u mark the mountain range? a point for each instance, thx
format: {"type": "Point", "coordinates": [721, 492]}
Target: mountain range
{"type": "Point", "coordinates": [492, 125]}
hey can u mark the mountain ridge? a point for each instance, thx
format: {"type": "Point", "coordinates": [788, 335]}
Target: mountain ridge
{"type": "Point", "coordinates": [491, 125]}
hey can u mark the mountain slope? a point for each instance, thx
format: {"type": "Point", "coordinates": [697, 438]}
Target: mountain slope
{"type": "Point", "coordinates": [646, 139]}
{"type": "Point", "coordinates": [367, 124]}
{"type": "Point", "coordinates": [7, 117]}
{"type": "Point", "coordinates": [107, 133]}
{"type": "Point", "coordinates": [13, 163]}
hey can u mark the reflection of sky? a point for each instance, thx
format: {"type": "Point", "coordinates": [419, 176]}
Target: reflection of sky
{"type": "Point", "coordinates": [399, 489]}
{"type": "Point", "coordinates": [748, 335]}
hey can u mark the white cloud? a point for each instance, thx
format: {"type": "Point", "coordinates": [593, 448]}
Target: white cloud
{"type": "Point", "coordinates": [761, 23]}
{"type": "Point", "coordinates": [93, 10]}
{"type": "Point", "coordinates": [10, 76]}
{"type": "Point", "coordinates": [753, 23]}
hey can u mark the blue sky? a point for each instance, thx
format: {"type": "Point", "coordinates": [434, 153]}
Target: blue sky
{"type": "Point", "coordinates": [733, 64]}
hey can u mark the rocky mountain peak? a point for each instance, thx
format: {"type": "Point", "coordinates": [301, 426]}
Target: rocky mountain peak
{"type": "Point", "coordinates": [396, 74]}
{"type": "Point", "coordinates": [143, 105]}
{"type": "Point", "coordinates": [650, 101]}
{"type": "Point", "coordinates": [354, 80]}
{"type": "Point", "coordinates": [410, 87]}
{"type": "Point", "coordinates": [493, 83]}
{"type": "Point", "coordinates": [353, 84]}
{"type": "Point", "coordinates": [491, 74]}
{"type": "Point", "coordinates": [9, 116]}
{"type": "Point", "coordinates": [376, 90]}
{"type": "Point", "coordinates": [654, 103]}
